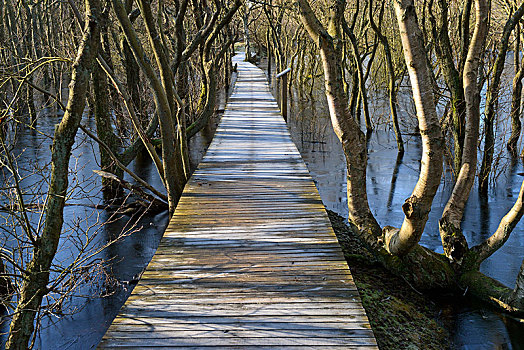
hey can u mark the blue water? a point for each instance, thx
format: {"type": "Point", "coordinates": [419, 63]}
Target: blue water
{"type": "Point", "coordinates": [391, 181]}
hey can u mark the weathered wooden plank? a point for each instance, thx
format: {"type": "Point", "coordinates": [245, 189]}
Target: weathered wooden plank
{"type": "Point", "coordinates": [254, 347]}
{"type": "Point", "coordinates": [207, 273]}
{"type": "Point", "coordinates": [249, 259]}
{"type": "Point", "coordinates": [267, 264]}
{"type": "Point", "coordinates": [248, 300]}
{"type": "Point", "coordinates": [224, 292]}
{"type": "Point", "coordinates": [206, 242]}
{"type": "Point", "coordinates": [145, 311]}
{"type": "Point", "coordinates": [248, 278]}
{"type": "Point", "coordinates": [232, 341]}
{"type": "Point", "coordinates": [165, 331]}
{"type": "Point", "coordinates": [306, 324]}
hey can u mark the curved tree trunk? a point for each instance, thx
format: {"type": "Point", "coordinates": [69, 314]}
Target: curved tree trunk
{"type": "Point", "coordinates": [423, 268]}
{"type": "Point", "coordinates": [392, 89]}
{"type": "Point", "coordinates": [360, 74]}
{"type": "Point", "coordinates": [104, 129]}
{"type": "Point", "coordinates": [516, 96]}
{"type": "Point", "coordinates": [347, 130]}
{"type": "Point", "coordinates": [501, 235]}
{"type": "Point", "coordinates": [207, 99]}
{"type": "Point", "coordinates": [175, 176]}
{"type": "Point", "coordinates": [417, 207]}
{"type": "Point", "coordinates": [453, 240]}
{"type": "Point", "coordinates": [132, 72]}
{"type": "Point", "coordinates": [174, 184]}
{"type": "Point", "coordinates": [453, 80]}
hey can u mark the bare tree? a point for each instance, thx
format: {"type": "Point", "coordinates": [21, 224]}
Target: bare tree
{"type": "Point", "coordinates": [37, 274]}
{"type": "Point", "coordinates": [398, 248]}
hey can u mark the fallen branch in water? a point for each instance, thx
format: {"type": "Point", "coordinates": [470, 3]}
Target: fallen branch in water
{"type": "Point", "coordinates": [156, 204]}
{"type": "Point", "coordinates": [122, 166]}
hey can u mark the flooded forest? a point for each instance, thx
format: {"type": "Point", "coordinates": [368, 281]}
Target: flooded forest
{"type": "Point", "coordinates": [406, 113]}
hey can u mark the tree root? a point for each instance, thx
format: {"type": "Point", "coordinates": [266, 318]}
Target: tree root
{"type": "Point", "coordinates": [492, 292]}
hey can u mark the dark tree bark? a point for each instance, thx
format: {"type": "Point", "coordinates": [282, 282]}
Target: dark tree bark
{"type": "Point", "coordinates": [35, 282]}
{"type": "Point", "coordinates": [132, 71]}
{"type": "Point", "coordinates": [492, 98]}
{"type": "Point", "coordinates": [392, 86]}
{"type": "Point", "coordinates": [104, 128]}
{"type": "Point", "coordinates": [453, 80]}
{"type": "Point", "coordinates": [516, 97]}
{"type": "Point", "coordinates": [360, 75]}
{"type": "Point", "coordinates": [168, 170]}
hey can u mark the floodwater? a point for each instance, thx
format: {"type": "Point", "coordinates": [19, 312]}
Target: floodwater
{"type": "Point", "coordinates": [390, 181]}
{"type": "Point", "coordinates": [85, 316]}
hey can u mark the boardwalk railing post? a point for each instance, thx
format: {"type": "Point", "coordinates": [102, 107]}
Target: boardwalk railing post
{"type": "Point", "coordinates": [283, 92]}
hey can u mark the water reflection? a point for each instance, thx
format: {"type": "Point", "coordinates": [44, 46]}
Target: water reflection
{"type": "Point", "coordinates": [87, 316]}
{"type": "Point", "coordinates": [391, 179]}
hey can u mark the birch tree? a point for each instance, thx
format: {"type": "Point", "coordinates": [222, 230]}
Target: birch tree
{"type": "Point", "coordinates": [398, 249]}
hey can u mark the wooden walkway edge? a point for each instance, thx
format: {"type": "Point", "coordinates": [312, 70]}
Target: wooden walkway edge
{"type": "Point", "coordinates": [249, 259]}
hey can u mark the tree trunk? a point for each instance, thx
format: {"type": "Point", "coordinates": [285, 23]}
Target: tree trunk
{"type": "Point", "coordinates": [360, 74]}
{"type": "Point", "coordinates": [208, 100]}
{"type": "Point", "coordinates": [464, 33]}
{"type": "Point", "coordinates": [132, 71]}
{"type": "Point", "coordinates": [492, 98]}
{"type": "Point", "coordinates": [423, 268]}
{"type": "Point", "coordinates": [518, 293]}
{"type": "Point", "coordinates": [104, 130]}
{"type": "Point", "coordinates": [35, 283]}
{"type": "Point", "coordinates": [162, 103]}
{"type": "Point", "coordinates": [6, 287]}
{"type": "Point", "coordinates": [173, 163]}
{"type": "Point", "coordinates": [516, 97]}
{"type": "Point", "coordinates": [269, 63]}
{"type": "Point", "coordinates": [453, 81]}
{"type": "Point", "coordinates": [392, 89]}
{"type": "Point", "coordinates": [347, 130]}
{"type": "Point", "coordinates": [417, 207]}
{"type": "Point", "coordinates": [247, 40]}
{"type": "Point", "coordinates": [453, 241]}
{"type": "Point", "coordinates": [31, 46]}
{"type": "Point", "coordinates": [501, 235]}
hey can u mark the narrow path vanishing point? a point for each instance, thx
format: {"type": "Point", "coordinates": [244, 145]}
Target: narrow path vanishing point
{"type": "Point", "coordinates": [249, 259]}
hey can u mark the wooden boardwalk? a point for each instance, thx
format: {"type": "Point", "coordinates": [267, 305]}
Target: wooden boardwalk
{"type": "Point", "coordinates": [249, 260]}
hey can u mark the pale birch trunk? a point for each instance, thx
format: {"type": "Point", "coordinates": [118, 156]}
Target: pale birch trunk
{"type": "Point", "coordinates": [453, 240]}
{"type": "Point", "coordinates": [417, 207]}
{"type": "Point", "coordinates": [347, 130]}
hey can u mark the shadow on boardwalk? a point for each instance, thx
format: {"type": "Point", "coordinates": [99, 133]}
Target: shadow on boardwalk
{"type": "Point", "coordinates": [249, 260]}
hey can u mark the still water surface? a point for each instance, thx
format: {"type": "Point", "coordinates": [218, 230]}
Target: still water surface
{"type": "Point", "coordinates": [390, 182]}
{"type": "Point", "coordinates": [86, 317]}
